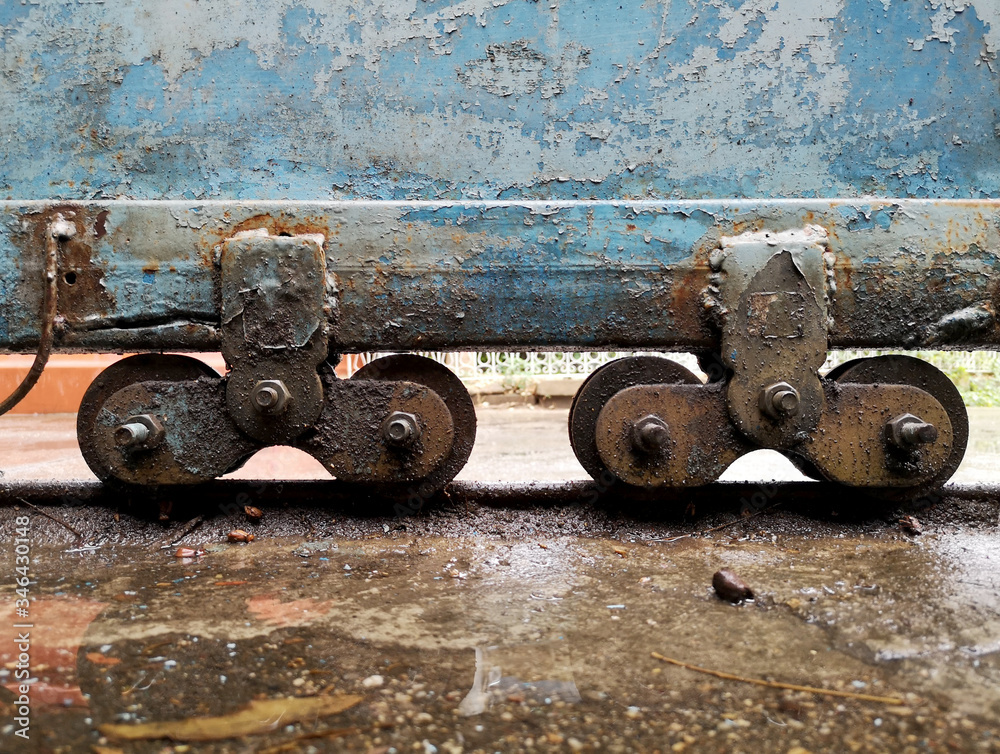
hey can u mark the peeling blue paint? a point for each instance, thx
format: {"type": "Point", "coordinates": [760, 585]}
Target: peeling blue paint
{"type": "Point", "coordinates": [574, 161]}
{"type": "Point", "coordinates": [485, 100]}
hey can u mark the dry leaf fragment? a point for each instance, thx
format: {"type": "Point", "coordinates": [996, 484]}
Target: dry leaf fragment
{"type": "Point", "coordinates": [99, 659]}
{"type": "Point", "coordinates": [261, 716]}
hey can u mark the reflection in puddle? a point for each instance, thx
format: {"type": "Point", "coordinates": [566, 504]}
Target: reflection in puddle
{"type": "Point", "coordinates": [535, 673]}
{"type": "Point", "coordinates": [55, 632]}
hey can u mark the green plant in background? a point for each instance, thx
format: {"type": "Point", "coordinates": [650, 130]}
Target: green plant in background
{"type": "Point", "coordinates": [975, 373]}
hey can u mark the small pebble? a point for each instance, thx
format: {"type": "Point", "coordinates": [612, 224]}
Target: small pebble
{"type": "Point", "coordinates": [911, 526]}
{"type": "Point", "coordinates": [373, 681]}
{"type": "Point", "coordinates": [730, 587]}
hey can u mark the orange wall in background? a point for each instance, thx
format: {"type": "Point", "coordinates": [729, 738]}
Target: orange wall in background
{"type": "Point", "coordinates": [67, 376]}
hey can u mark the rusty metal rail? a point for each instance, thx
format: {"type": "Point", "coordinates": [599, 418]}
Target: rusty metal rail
{"type": "Point", "coordinates": [144, 275]}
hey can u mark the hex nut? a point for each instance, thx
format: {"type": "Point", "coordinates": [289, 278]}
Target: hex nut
{"type": "Point", "coordinates": [401, 429]}
{"type": "Point", "coordinates": [139, 432]}
{"type": "Point", "coordinates": [650, 434]}
{"type": "Point", "coordinates": [908, 431]}
{"type": "Point", "coordinates": [270, 397]}
{"type": "Point", "coordinates": [779, 400]}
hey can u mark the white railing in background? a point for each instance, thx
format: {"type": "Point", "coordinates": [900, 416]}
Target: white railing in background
{"type": "Point", "coordinates": [492, 365]}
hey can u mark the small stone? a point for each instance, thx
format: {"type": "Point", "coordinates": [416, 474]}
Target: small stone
{"type": "Point", "coordinates": [911, 526]}
{"type": "Point", "coordinates": [633, 713]}
{"type": "Point", "coordinates": [373, 681]}
{"type": "Point", "coordinates": [730, 587]}
{"type": "Point", "coordinates": [422, 718]}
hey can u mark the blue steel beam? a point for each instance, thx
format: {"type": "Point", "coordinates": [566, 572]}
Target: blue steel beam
{"type": "Point", "coordinates": [429, 275]}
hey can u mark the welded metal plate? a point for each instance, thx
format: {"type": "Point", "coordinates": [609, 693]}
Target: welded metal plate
{"type": "Point", "coordinates": [850, 444]}
{"type": "Point", "coordinates": [702, 442]}
{"type": "Point", "coordinates": [774, 333]}
{"type": "Point", "coordinates": [274, 329]}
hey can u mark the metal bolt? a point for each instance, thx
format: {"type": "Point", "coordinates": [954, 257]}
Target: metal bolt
{"type": "Point", "coordinates": [62, 229]}
{"type": "Point", "coordinates": [650, 434]}
{"type": "Point", "coordinates": [779, 400]}
{"type": "Point", "coordinates": [908, 431]}
{"type": "Point", "coordinates": [400, 429]}
{"type": "Point", "coordinates": [140, 431]}
{"type": "Point", "coordinates": [270, 397]}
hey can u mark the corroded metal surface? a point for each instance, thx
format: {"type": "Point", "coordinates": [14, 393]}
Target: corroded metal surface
{"type": "Point", "coordinates": [601, 387]}
{"type": "Point", "coordinates": [274, 332]}
{"type": "Point", "coordinates": [96, 426]}
{"type": "Point", "coordinates": [490, 99]}
{"type": "Point", "coordinates": [165, 419]}
{"type": "Point", "coordinates": [702, 440]}
{"type": "Point", "coordinates": [908, 273]}
{"type": "Point", "coordinates": [773, 295]}
{"type": "Point", "coordinates": [850, 444]}
{"type": "Point", "coordinates": [348, 441]}
{"type": "Point", "coordinates": [469, 162]}
{"type": "Point", "coordinates": [462, 435]}
{"type": "Point", "coordinates": [906, 370]}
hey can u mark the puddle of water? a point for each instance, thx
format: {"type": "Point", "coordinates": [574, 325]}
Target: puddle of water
{"type": "Point", "coordinates": [466, 643]}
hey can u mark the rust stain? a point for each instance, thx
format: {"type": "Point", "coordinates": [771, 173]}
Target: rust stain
{"type": "Point", "coordinates": [100, 224]}
{"type": "Point", "coordinates": [280, 226]}
{"type": "Point", "coordinates": [81, 289]}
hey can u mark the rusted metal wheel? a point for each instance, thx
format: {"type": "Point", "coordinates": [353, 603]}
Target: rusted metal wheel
{"type": "Point", "coordinates": [908, 370]}
{"type": "Point", "coordinates": [599, 388]}
{"type": "Point", "coordinates": [804, 465]}
{"type": "Point", "coordinates": [444, 382]}
{"type": "Point", "coordinates": [121, 374]}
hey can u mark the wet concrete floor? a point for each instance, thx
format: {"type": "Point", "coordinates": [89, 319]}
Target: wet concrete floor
{"type": "Point", "coordinates": [483, 625]}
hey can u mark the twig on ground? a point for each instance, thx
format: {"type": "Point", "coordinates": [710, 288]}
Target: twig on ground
{"type": "Point", "coordinates": [778, 685]}
{"type": "Point", "coordinates": [761, 512]}
{"type": "Point", "coordinates": [193, 524]}
{"type": "Point", "coordinates": [49, 516]}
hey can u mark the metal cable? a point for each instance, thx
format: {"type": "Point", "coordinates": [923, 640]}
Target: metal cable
{"type": "Point", "coordinates": [59, 230]}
